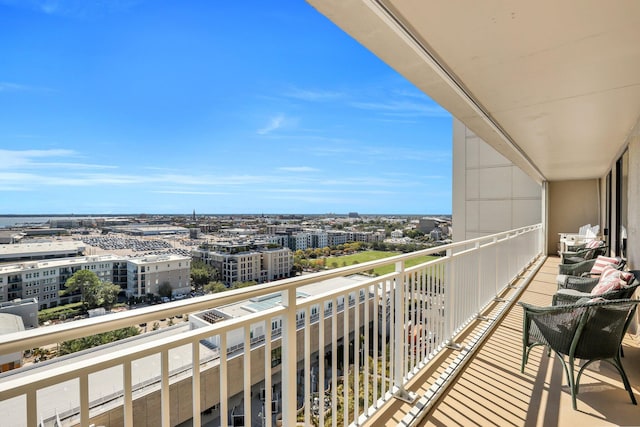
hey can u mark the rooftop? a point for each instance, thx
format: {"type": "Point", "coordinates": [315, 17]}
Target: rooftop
{"type": "Point", "coordinates": [41, 247]}
{"type": "Point", "coordinates": [269, 301]}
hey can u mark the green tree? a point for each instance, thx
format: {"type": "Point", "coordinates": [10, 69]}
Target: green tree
{"type": "Point", "coordinates": [238, 285]}
{"type": "Point", "coordinates": [71, 346]}
{"type": "Point", "coordinates": [413, 233]}
{"type": "Point", "coordinates": [165, 290]}
{"type": "Point", "coordinates": [215, 287]}
{"type": "Point", "coordinates": [199, 277]}
{"type": "Point", "coordinates": [108, 294]}
{"type": "Point", "coordinates": [87, 283]}
{"type": "Point", "coordinates": [202, 273]}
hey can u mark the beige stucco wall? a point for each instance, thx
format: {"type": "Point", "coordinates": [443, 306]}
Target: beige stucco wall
{"type": "Point", "coordinates": [633, 219]}
{"type": "Point", "coordinates": [490, 194]}
{"type": "Point", "coordinates": [572, 204]}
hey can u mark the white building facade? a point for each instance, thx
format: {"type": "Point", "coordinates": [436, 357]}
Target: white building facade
{"type": "Point", "coordinates": [44, 280]}
{"type": "Point", "coordinates": [259, 265]}
{"type": "Point", "coordinates": [146, 275]}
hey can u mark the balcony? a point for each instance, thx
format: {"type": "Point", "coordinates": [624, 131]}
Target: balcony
{"type": "Point", "coordinates": [450, 324]}
{"type": "Point", "coordinates": [490, 390]}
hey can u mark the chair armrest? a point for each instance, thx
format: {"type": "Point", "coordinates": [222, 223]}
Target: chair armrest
{"type": "Point", "coordinates": [582, 284]}
{"type": "Point", "coordinates": [576, 269]}
{"type": "Point", "coordinates": [552, 325]}
{"type": "Point", "coordinates": [569, 297]}
{"type": "Point", "coordinates": [585, 254]}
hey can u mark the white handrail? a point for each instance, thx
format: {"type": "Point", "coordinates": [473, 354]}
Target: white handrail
{"type": "Point", "coordinates": [418, 309]}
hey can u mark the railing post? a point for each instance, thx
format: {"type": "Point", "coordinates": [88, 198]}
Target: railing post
{"type": "Point", "coordinates": [165, 395]}
{"type": "Point", "coordinates": [480, 281]}
{"type": "Point", "coordinates": [84, 399]}
{"type": "Point", "coordinates": [195, 382]}
{"type": "Point", "coordinates": [128, 394]}
{"type": "Point", "coordinates": [448, 289]}
{"type": "Point", "coordinates": [289, 363]}
{"type": "Point", "coordinates": [496, 265]}
{"type": "Point", "coordinates": [400, 336]}
{"type": "Point", "coordinates": [32, 407]}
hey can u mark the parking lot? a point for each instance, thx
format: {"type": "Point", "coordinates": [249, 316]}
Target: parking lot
{"type": "Point", "coordinates": [119, 244]}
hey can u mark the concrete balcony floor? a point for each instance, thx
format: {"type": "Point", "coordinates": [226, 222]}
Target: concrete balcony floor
{"type": "Point", "coordinates": [491, 390]}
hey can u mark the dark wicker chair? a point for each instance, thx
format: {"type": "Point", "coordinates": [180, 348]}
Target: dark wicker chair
{"type": "Point", "coordinates": [589, 331]}
{"type": "Point", "coordinates": [576, 288]}
{"type": "Point", "coordinates": [581, 269]}
{"type": "Point", "coordinates": [583, 254]}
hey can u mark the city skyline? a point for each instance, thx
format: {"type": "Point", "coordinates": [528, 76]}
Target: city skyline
{"type": "Point", "coordinates": [152, 107]}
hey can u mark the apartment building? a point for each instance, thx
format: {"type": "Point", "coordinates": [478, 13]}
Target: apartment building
{"type": "Point", "coordinates": [397, 234]}
{"type": "Point", "coordinates": [281, 240]}
{"type": "Point", "coordinates": [317, 239]}
{"type": "Point", "coordinates": [335, 238]}
{"type": "Point", "coordinates": [299, 241]}
{"type": "Point", "coordinates": [244, 263]}
{"type": "Point", "coordinates": [43, 280]}
{"type": "Point", "coordinates": [308, 239]}
{"type": "Point", "coordinates": [276, 264]}
{"type": "Point", "coordinates": [145, 275]}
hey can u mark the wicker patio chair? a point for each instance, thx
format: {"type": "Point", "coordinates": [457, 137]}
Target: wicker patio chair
{"type": "Point", "coordinates": [583, 254]}
{"type": "Point", "coordinates": [589, 331]}
{"type": "Point", "coordinates": [583, 269]}
{"type": "Point", "coordinates": [575, 288]}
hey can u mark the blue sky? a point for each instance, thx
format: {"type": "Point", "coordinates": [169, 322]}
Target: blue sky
{"type": "Point", "coordinates": [223, 107]}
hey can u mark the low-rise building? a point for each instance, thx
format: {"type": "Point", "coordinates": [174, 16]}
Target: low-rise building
{"type": "Point", "coordinates": [10, 323]}
{"type": "Point", "coordinates": [8, 237]}
{"type": "Point", "coordinates": [41, 250]}
{"type": "Point", "coordinates": [244, 263]}
{"type": "Point", "coordinates": [136, 276]}
{"type": "Point", "coordinates": [26, 308]}
{"type": "Point", "coordinates": [335, 238]}
{"type": "Point", "coordinates": [396, 234]}
{"type": "Point", "coordinates": [146, 274]}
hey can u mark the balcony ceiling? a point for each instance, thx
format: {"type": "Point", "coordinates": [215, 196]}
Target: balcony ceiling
{"type": "Point", "coordinates": [552, 85]}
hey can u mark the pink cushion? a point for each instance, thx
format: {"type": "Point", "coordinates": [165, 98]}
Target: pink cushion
{"type": "Point", "coordinates": [611, 280]}
{"type": "Point", "coordinates": [602, 262]}
{"type": "Point", "coordinates": [594, 244]}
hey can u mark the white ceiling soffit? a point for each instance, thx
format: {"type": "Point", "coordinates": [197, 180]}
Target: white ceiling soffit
{"type": "Point", "coordinates": [552, 85]}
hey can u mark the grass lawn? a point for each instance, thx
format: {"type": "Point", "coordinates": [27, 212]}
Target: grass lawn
{"type": "Point", "coordinates": [360, 257]}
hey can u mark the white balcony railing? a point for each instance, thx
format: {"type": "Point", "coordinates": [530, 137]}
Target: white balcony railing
{"type": "Point", "coordinates": [374, 334]}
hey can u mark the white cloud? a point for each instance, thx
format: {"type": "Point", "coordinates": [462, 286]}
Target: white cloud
{"type": "Point", "coordinates": [403, 108]}
{"type": "Point", "coordinates": [274, 124]}
{"type": "Point", "coordinates": [327, 191]}
{"type": "Point", "coordinates": [73, 8]}
{"type": "Point", "coordinates": [73, 165]}
{"type": "Point", "coordinates": [17, 87]}
{"type": "Point", "coordinates": [20, 158]}
{"type": "Point", "coordinates": [299, 169]}
{"type": "Point", "coordinates": [313, 95]}
{"type": "Point", "coordinates": [27, 159]}
{"type": "Point", "coordinates": [12, 87]}
{"type": "Point", "coordinates": [197, 193]}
